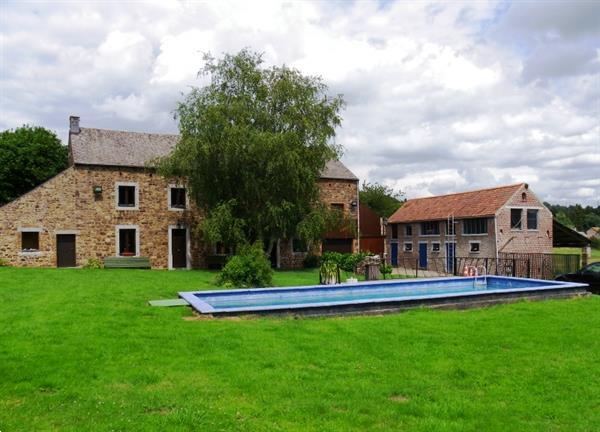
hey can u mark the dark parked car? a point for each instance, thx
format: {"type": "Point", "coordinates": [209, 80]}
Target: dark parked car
{"type": "Point", "coordinates": [590, 274]}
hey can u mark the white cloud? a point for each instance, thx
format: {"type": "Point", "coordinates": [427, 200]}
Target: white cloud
{"type": "Point", "coordinates": [441, 96]}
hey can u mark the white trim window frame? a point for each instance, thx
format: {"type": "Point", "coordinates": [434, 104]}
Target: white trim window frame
{"type": "Point", "coordinates": [118, 239]}
{"type": "Point", "coordinates": [36, 252]}
{"type": "Point", "coordinates": [474, 242]}
{"type": "Point", "coordinates": [188, 246]}
{"type": "Point", "coordinates": [439, 245]}
{"type": "Point", "coordinates": [187, 200]}
{"type": "Point", "coordinates": [406, 244]}
{"type": "Point", "coordinates": [136, 195]}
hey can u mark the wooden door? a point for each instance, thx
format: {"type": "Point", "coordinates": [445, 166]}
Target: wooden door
{"type": "Point", "coordinates": [178, 247]}
{"type": "Point", "coordinates": [65, 250]}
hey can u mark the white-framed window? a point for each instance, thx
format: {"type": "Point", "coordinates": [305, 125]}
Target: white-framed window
{"type": "Point", "coordinates": [127, 196]}
{"type": "Point", "coordinates": [30, 240]}
{"type": "Point", "coordinates": [435, 247]}
{"type": "Point", "coordinates": [177, 198]}
{"type": "Point", "coordinates": [474, 247]}
{"type": "Point", "coordinates": [408, 246]}
{"type": "Point", "coordinates": [127, 240]}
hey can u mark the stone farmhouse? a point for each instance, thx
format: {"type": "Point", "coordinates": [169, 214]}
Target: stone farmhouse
{"type": "Point", "coordinates": [487, 223]}
{"type": "Point", "coordinates": [108, 203]}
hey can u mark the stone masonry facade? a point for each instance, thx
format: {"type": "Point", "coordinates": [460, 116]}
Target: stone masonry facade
{"type": "Point", "coordinates": [67, 204]}
{"type": "Point", "coordinates": [501, 238]}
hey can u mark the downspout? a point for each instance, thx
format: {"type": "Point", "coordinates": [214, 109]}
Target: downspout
{"type": "Point", "coordinates": [496, 240]}
{"type": "Point", "coordinates": [357, 216]}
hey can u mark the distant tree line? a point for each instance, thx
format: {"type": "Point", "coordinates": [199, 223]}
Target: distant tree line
{"type": "Point", "coordinates": [576, 216]}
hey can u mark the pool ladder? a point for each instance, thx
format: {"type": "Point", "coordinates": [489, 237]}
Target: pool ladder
{"type": "Point", "coordinates": [480, 277]}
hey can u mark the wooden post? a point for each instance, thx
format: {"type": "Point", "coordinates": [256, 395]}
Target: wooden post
{"type": "Point", "coordinates": [528, 267]}
{"type": "Point", "coordinates": [586, 255]}
{"type": "Point", "coordinates": [514, 267]}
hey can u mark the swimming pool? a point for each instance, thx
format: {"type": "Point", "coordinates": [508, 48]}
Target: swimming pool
{"type": "Point", "coordinates": [378, 296]}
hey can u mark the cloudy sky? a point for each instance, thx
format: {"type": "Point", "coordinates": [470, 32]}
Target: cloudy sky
{"type": "Point", "coordinates": [441, 96]}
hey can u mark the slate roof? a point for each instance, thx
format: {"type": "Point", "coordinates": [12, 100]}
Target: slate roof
{"type": "Point", "coordinates": [135, 149]}
{"type": "Point", "coordinates": [478, 203]}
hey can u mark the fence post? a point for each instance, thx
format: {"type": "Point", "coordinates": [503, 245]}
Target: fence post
{"type": "Point", "coordinates": [417, 268]}
{"type": "Point", "coordinates": [454, 263]}
{"type": "Point", "coordinates": [514, 267]}
{"type": "Point", "coordinates": [528, 267]}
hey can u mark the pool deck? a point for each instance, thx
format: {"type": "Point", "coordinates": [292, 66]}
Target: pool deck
{"type": "Point", "coordinates": [458, 300]}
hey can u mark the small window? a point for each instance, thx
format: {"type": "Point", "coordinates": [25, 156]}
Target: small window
{"type": "Point", "coordinates": [407, 247]}
{"type": "Point", "coordinates": [408, 230]}
{"type": "Point", "coordinates": [435, 247]}
{"type": "Point", "coordinates": [338, 207]}
{"type": "Point", "coordinates": [515, 219]}
{"type": "Point", "coordinates": [127, 242]}
{"type": "Point", "coordinates": [30, 241]}
{"type": "Point", "coordinates": [474, 247]}
{"type": "Point", "coordinates": [394, 230]}
{"type": "Point", "coordinates": [430, 228]}
{"type": "Point", "coordinates": [299, 246]}
{"type": "Point", "coordinates": [178, 199]}
{"type": "Point", "coordinates": [523, 196]}
{"type": "Point", "coordinates": [126, 196]}
{"type": "Point", "coordinates": [475, 226]}
{"type": "Point", "coordinates": [532, 219]}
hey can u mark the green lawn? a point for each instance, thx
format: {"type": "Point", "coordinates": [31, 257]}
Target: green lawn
{"type": "Point", "coordinates": [80, 350]}
{"type": "Point", "coordinates": [577, 251]}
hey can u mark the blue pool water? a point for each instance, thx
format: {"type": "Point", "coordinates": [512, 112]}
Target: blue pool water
{"type": "Point", "coordinates": [379, 292]}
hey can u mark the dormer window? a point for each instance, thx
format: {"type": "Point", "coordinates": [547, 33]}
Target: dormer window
{"type": "Point", "coordinates": [127, 196]}
{"type": "Point", "coordinates": [177, 198]}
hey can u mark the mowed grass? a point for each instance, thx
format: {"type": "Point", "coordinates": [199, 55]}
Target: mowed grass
{"type": "Point", "coordinates": [80, 350]}
{"type": "Point", "coordinates": [577, 251]}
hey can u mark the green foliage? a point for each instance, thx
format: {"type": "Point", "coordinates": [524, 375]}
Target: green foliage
{"type": "Point", "coordinates": [248, 268]}
{"type": "Point", "coordinates": [385, 269]}
{"type": "Point", "coordinates": [29, 156]}
{"type": "Point", "coordinates": [329, 272]}
{"type": "Point", "coordinates": [221, 226]}
{"type": "Point", "coordinates": [311, 261]}
{"type": "Point", "coordinates": [256, 140]}
{"type": "Point", "coordinates": [382, 199]}
{"type": "Point", "coordinates": [346, 262]}
{"type": "Point", "coordinates": [93, 263]}
{"type": "Point", "coordinates": [576, 216]}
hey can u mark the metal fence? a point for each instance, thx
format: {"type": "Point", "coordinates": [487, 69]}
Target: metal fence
{"type": "Point", "coordinates": [537, 266]}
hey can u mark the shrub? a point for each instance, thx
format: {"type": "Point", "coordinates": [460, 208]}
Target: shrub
{"type": "Point", "coordinates": [93, 263]}
{"type": "Point", "coordinates": [311, 261]}
{"type": "Point", "coordinates": [385, 269]}
{"type": "Point", "coordinates": [248, 268]}
{"type": "Point", "coordinates": [329, 273]}
{"type": "Point", "coordinates": [346, 262]}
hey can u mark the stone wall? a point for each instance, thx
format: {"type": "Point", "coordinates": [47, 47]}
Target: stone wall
{"type": "Point", "coordinates": [342, 192]}
{"type": "Point", "coordinates": [67, 203]}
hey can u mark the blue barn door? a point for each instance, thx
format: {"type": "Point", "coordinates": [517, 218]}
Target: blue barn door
{"type": "Point", "coordinates": [423, 255]}
{"type": "Point", "coordinates": [394, 254]}
{"type": "Point", "coordinates": [450, 247]}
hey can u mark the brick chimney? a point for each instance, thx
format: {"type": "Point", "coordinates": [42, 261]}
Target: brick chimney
{"type": "Point", "coordinates": [74, 125]}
